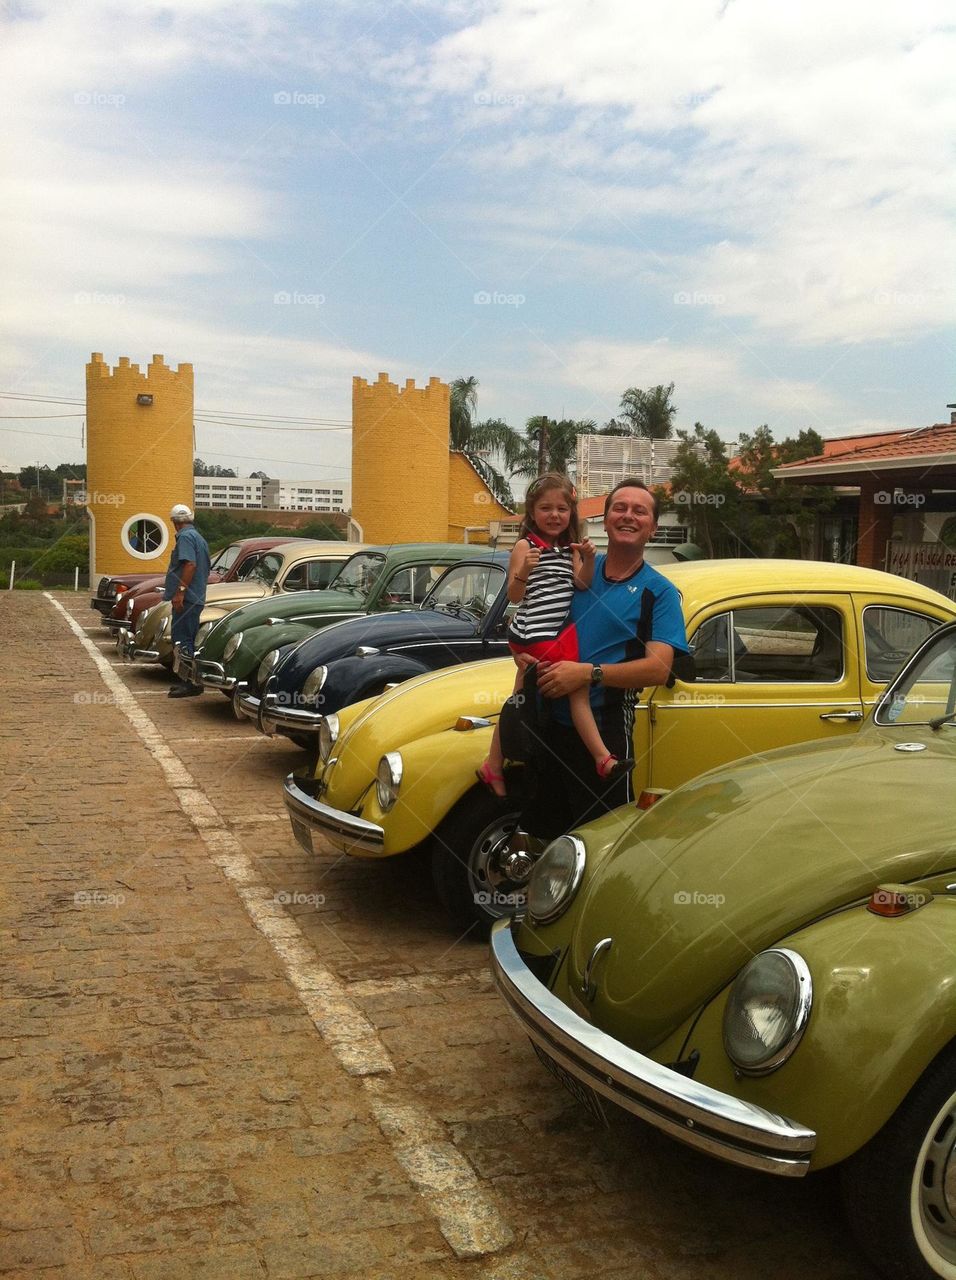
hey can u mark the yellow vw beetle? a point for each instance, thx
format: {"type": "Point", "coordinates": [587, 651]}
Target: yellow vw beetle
{"type": "Point", "coordinates": [785, 651]}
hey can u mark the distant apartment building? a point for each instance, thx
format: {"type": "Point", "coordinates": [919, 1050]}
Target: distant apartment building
{"type": "Point", "coordinates": [602, 461]}
{"type": "Point", "coordinates": [247, 493]}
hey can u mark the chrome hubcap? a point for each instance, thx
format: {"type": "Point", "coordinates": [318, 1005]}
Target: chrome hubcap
{"type": "Point", "coordinates": [936, 1176]}
{"type": "Point", "coordinates": [492, 865]}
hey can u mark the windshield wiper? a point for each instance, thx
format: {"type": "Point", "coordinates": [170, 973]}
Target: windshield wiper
{"type": "Point", "coordinates": [941, 720]}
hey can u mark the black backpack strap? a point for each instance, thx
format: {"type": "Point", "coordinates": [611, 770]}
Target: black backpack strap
{"type": "Point", "coordinates": [682, 668]}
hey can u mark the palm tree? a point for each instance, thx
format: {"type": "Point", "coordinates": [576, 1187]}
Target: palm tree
{"type": "Point", "coordinates": [558, 449]}
{"type": "Point", "coordinates": [478, 440]}
{"type": "Point", "coordinates": [646, 413]}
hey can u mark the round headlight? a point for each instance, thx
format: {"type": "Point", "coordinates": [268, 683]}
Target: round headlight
{"type": "Point", "coordinates": [201, 634]}
{"type": "Point", "coordinates": [267, 666]}
{"type": "Point", "coordinates": [328, 736]}
{"type": "Point", "coordinates": [313, 682]}
{"type": "Point", "coordinates": [767, 1011]}
{"type": "Point", "coordinates": [388, 779]}
{"type": "Point", "coordinates": [232, 646]}
{"type": "Point", "coordinates": [555, 878]}
{"type": "Point", "coordinates": [164, 625]}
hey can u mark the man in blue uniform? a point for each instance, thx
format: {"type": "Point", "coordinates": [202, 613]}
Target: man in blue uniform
{"type": "Point", "coordinates": [630, 626]}
{"type": "Point", "coordinates": [186, 580]}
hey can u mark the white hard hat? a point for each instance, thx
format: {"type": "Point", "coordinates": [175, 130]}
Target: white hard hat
{"type": "Point", "coordinates": [181, 512]}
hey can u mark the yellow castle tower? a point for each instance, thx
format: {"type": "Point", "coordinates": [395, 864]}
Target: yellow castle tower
{"type": "Point", "coordinates": [139, 461]}
{"type": "Point", "coordinates": [400, 460]}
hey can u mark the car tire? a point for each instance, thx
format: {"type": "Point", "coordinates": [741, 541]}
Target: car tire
{"type": "Point", "coordinates": [465, 850]}
{"type": "Point", "coordinates": [895, 1188]}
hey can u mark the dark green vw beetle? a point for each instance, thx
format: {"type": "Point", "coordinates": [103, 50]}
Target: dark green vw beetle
{"type": "Point", "coordinates": [763, 964]}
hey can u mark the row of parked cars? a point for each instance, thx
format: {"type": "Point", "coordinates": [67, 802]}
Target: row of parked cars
{"type": "Point", "coordinates": [760, 957]}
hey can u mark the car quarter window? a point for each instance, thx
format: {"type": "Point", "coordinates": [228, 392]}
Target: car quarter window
{"type": "Point", "coordinates": [410, 586]}
{"type": "Point", "coordinates": [473, 587]}
{"type": "Point", "coordinates": [890, 635]}
{"type": "Point", "coordinates": [267, 568]}
{"type": "Point", "coordinates": [321, 572]}
{"type": "Point", "coordinates": [226, 558]}
{"type": "Point", "coordinates": [771, 643]}
{"type": "Point", "coordinates": [248, 567]}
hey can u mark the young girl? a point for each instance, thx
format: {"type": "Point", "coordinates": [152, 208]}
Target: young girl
{"type": "Point", "coordinates": [548, 562]}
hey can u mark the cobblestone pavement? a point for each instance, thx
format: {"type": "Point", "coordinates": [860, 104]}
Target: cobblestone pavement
{"type": "Point", "coordinates": [222, 1059]}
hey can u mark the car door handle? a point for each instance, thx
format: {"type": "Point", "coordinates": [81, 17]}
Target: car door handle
{"type": "Point", "coordinates": [841, 715]}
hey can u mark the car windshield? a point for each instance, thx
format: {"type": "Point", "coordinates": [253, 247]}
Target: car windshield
{"type": "Point", "coordinates": [358, 574]}
{"type": "Point", "coordinates": [926, 692]}
{"type": "Point", "coordinates": [468, 587]}
{"type": "Point", "coordinates": [226, 558]}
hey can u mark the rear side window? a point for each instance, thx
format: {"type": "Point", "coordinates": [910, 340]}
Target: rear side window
{"type": "Point", "coordinates": [771, 644]}
{"type": "Point", "coordinates": [321, 572]}
{"type": "Point", "coordinates": [890, 636]}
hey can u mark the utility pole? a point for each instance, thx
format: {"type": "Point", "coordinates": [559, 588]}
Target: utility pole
{"type": "Point", "coordinates": [542, 445]}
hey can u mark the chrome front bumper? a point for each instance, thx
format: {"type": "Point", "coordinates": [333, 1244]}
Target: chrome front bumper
{"type": "Point", "coordinates": [126, 646]}
{"type": "Point", "coordinates": [211, 675]}
{"type": "Point", "coordinates": [344, 831]}
{"type": "Point", "coordinates": [696, 1114]}
{"type": "Point", "coordinates": [269, 715]}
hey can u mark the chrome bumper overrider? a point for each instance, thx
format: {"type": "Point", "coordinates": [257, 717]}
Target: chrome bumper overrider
{"type": "Point", "coordinates": [126, 645]}
{"type": "Point", "coordinates": [698, 1115]}
{"type": "Point", "coordinates": [247, 705]}
{"type": "Point", "coordinates": [344, 830]}
{"type": "Point", "coordinates": [273, 716]}
{"type": "Point", "coordinates": [211, 675]}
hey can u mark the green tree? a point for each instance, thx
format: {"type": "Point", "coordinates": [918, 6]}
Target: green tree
{"type": "Point", "coordinates": [647, 413]}
{"type": "Point", "coordinates": [705, 493]}
{"type": "Point", "coordinates": [781, 516]}
{"type": "Point", "coordinates": [479, 441]}
{"type": "Point", "coordinates": [551, 445]}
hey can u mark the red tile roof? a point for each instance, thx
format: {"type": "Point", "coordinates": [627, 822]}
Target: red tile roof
{"type": "Point", "coordinates": [939, 438]}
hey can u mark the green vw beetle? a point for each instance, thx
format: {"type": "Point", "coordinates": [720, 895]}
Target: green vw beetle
{"type": "Point", "coordinates": [763, 964]}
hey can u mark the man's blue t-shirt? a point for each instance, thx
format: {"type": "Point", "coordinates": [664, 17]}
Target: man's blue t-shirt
{"type": "Point", "coordinates": [606, 618]}
{"type": "Point", "coordinates": [190, 545]}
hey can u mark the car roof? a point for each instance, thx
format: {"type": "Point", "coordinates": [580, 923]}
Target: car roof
{"type": "Point", "coordinates": [422, 550]}
{"type": "Point", "coordinates": [700, 582]}
{"type": "Point", "coordinates": [311, 547]}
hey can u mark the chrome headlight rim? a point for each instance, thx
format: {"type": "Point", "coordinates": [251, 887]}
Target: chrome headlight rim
{"type": "Point", "coordinates": [202, 634]}
{"type": "Point", "coordinates": [328, 736]}
{"type": "Point", "coordinates": [232, 647]}
{"type": "Point", "coordinates": [545, 905]}
{"type": "Point", "coordinates": [801, 1004]}
{"type": "Point", "coordinates": [164, 625]}
{"type": "Point", "coordinates": [267, 666]}
{"type": "Point", "coordinates": [388, 779]}
{"type": "Point", "coordinates": [314, 682]}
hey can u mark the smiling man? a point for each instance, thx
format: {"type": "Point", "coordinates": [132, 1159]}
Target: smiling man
{"type": "Point", "coordinates": [630, 625]}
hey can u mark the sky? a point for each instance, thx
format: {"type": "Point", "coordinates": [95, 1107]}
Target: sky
{"type": "Point", "coordinates": [753, 201]}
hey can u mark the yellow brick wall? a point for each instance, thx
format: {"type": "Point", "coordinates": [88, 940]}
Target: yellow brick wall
{"type": "Point", "coordinates": [470, 502]}
{"type": "Point", "coordinates": [400, 460]}
{"type": "Point", "coordinates": [139, 459]}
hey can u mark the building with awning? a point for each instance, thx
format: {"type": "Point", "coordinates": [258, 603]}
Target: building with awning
{"type": "Point", "coordinates": [896, 508]}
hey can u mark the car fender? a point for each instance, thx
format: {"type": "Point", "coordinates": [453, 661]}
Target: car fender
{"type": "Point", "coordinates": [258, 641]}
{"type": "Point", "coordinates": [352, 678]}
{"type": "Point", "coordinates": [436, 772]}
{"type": "Point", "coordinates": [883, 1008]}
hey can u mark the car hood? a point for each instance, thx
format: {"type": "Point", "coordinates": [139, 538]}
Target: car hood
{"type": "Point", "coordinates": [231, 593]}
{"type": "Point", "coordinates": [744, 855]}
{"type": "Point", "coordinates": [377, 630]}
{"type": "Point", "coordinates": [286, 605]}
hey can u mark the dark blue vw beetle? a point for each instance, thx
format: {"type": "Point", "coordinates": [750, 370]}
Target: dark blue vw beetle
{"type": "Point", "coordinates": [463, 618]}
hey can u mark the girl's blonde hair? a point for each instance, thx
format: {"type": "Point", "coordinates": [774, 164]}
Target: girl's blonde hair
{"type": "Point", "coordinates": [551, 480]}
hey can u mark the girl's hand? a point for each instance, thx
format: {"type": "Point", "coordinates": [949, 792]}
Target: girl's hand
{"type": "Point", "coordinates": [531, 557]}
{"type": "Point", "coordinates": [585, 549]}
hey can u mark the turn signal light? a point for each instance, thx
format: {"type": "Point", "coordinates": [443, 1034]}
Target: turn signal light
{"type": "Point", "coordinates": [650, 796]}
{"type": "Point", "coordinates": [893, 900]}
{"type": "Point", "coordinates": [464, 723]}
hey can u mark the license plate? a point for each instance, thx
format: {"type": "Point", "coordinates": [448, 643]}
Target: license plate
{"type": "Point", "coordinates": [303, 834]}
{"type": "Point", "coordinates": [582, 1092]}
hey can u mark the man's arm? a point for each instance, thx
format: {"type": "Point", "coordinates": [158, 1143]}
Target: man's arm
{"type": "Point", "coordinates": [186, 574]}
{"type": "Point", "coordinates": [558, 679]}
